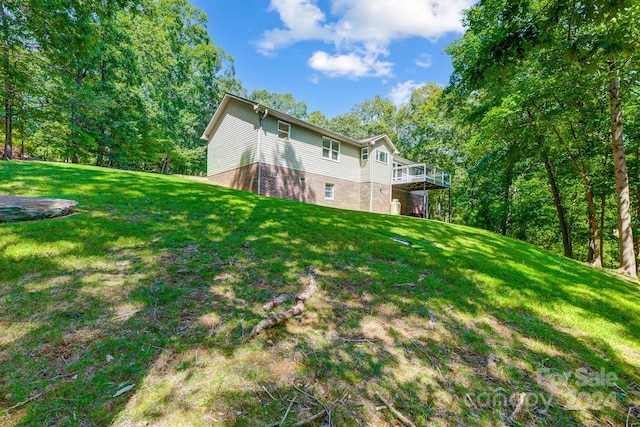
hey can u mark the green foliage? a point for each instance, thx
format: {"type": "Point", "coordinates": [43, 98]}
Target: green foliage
{"type": "Point", "coordinates": [133, 82]}
{"type": "Point", "coordinates": [529, 109]}
{"type": "Point", "coordinates": [283, 102]}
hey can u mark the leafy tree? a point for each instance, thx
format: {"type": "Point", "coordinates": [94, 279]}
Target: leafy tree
{"type": "Point", "coordinates": [349, 124]}
{"type": "Point", "coordinates": [129, 83]}
{"type": "Point", "coordinates": [539, 60]}
{"type": "Point", "coordinates": [283, 102]}
{"type": "Point", "coordinates": [16, 58]}
{"type": "Point", "coordinates": [318, 119]}
{"type": "Point", "coordinates": [377, 116]}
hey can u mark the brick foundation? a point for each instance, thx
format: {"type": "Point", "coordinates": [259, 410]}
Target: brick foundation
{"type": "Point", "coordinates": [306, 187]}
{"type": "Point", "coordinates": [381, 198]}
{"type": "Point", "coordinates": [244, 178]}
{"type": "Point", "coordinates": [285, 183]}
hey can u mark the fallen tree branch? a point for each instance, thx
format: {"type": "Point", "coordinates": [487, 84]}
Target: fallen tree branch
{"type": "Point", "coordinates": [311, 418]}
{"type": "Point", "coordinates": [276, 301]}
{"type": "Point", "coordinates": [324, 407]}
{"type": "Point", "coordinates": [278, 318]}
{"type": "Point", "coordinates": [397, 413]}
{"type": "Point", "coordinates": [286, 414]}
{"type": "Point", "coordinates": [515, 412]}
{"type": "Point", "coordinates": [24, 402]}
{"type": "Point", "coordinates": [409, 285]}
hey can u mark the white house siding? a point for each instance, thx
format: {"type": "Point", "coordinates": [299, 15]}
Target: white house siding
{"type": "Point", "coordinates": [380, 172]}
{"type": "Point", "coordinates": [233, 142]}
{"type": "Point", "coordinates": [304, 153]}
{"type": "Point", "coordinates": [365, 170]}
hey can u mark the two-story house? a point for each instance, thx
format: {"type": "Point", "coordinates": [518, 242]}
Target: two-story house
{"type": "Point", "coordinates": [254, 148]}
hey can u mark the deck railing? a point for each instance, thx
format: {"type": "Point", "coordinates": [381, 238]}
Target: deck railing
{"type": "Point", "coordinates": [421, 172]}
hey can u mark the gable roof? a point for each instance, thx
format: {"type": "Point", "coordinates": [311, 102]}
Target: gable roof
{"type": "Point", "coordinates": [228, 97]}
{"type": "Point", "coordinates": [373, 139]}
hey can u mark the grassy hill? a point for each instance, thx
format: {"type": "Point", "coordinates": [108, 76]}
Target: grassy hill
{"type": "Point", "coordinates": [151, 289]}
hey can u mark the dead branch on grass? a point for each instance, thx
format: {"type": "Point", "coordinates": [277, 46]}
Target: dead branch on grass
{"type": "Point", "coordinates": [408, 285]}
{"type": "Point", "coordinates": [278, 318]}
{"type": "Point", "coordinates": [397, 413]}
{"type": "Point", "coordinates": [310, 419]}
{"type": "Point", "coordinates": [518, 408]}
{"type": "Point", "coordinates": [276, 301]}
{"type": "Point", "coordinates": [24, 402]}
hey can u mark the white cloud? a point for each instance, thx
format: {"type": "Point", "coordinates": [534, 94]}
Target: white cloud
{"type": "Point", "coordinates": [424, 61]}
{"type": "Point", "coordinates": [361, 30]}
{"type": "Point", "coordinates": [302, 20]}
{"type": "Point", "coordinates": [387, 20]}
{"type": "Point", "coordinates": [350, 65]}
{"type": "Point", "coordinates": [401, 93]}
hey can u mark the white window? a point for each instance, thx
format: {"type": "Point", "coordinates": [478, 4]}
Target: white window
{"type": "Point", "coordinates": [284, 129]}
{"type": "Point", "coordinates": [328, 191]}
{"type": "Point", "coordinates": [330, 149]}
{"type": "Point", "coordinates": [382, 156]}
{"type": "Point", "coordinates": [397, 172]}
{"type": "Point", "coordinates": [365, 153]}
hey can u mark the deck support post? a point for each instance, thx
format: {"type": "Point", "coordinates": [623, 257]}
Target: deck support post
{"type": "Point", "coordinates": [425, 200]}
{"type": "Point", "coordinates": [449, 209]}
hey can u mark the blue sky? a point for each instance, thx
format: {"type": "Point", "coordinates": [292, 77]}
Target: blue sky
{"type": "Point", "coordinates": [334, 54]}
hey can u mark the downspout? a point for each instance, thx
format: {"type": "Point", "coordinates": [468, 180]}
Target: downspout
{"type": "Point", "coordinates": [395, 153]}
{"type": "Point", "coordinates": [371, 144]}
{"type": "Point", "coordinates": [265, 113]}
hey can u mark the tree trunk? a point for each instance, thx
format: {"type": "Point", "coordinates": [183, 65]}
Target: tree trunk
{"type": "Point", "coordinates": [564, 229]}
{"type": "Point", "coordinates": [8, 138]}
{"type": "Point", "coordinates": [594, 245]}
{"type": "Point", "coordinates": [603, 210]}
{"type": "Point", "coordinates": [625, 232]}
{"type": "Point", "coordinates": [75, 117]}
{"type": "Point", "coordinates": [506, 214]}
{"type": "Point", "coordinates": [637, 238]}
{"type": "Point", "coordinates": [22, 141]}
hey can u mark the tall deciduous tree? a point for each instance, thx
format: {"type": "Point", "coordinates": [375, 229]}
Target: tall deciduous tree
{"type": "Point", "coordinates": [129, 83]}
{"type": "Point", "coordinates": [15, 47]}
{"type": "Point", "coordinates": [514, 40]}
{"type": "Point", "coordinates": [283, 102]}
{"type": "Point", "coordinates": [604, 37]}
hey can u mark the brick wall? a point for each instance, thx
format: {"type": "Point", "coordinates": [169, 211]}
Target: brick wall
{"type": "Point", "coordinates": [244, 178]}
{"type": "Point", "coordinates": [365, 193]}
{"type": "Point", "coordinates": [307, 187]}
{"type": "Point", "coordinates": [410, 204]}
{"type": "Point", "coordinates": [381, 196]}
{"type": "Point", "coordinates": [285, 183]}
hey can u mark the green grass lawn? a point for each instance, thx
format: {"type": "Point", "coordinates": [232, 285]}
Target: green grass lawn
{"type": "Point", "coordinates": [155, 283]}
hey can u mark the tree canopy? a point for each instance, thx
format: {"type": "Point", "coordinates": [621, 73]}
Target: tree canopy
{"type": "Point", "coordinates": [127, 84]}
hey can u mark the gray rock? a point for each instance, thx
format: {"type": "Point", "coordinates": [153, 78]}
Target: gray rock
{"type": "Point", "coordinates": [14, 208]}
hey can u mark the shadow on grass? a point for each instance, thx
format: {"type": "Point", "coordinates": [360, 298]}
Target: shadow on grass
{"type": "Point", "coordinates": [156, 282]}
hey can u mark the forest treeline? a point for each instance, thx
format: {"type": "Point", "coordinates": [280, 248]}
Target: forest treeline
{"type": "Point", "coordinates": [125, 84]}
{"type": "Point", "coordinates": [539, 124]}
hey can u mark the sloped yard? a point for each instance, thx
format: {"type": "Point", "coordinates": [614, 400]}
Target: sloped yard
{"type": "Point", "coordinates": [136, 310]}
